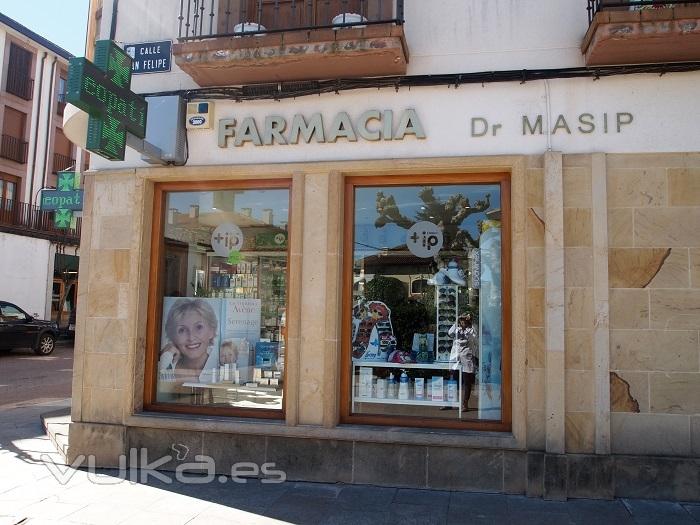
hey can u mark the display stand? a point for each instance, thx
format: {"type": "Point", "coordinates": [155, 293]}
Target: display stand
{"type": "Point", "coordinates": [356, 391]}
{"type": "Point", "coordinates": [446, 300]}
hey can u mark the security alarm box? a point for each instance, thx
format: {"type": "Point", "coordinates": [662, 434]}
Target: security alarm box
{"type": "Point", "coordinates": [199, 115]}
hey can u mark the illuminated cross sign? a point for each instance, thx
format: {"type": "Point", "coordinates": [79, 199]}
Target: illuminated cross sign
{"type": "Point", "coordinates": [103, 91]}
{"type": "Point", "coordinates": [64, 200]}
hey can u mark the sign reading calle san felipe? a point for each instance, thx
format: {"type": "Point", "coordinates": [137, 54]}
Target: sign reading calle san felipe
{"type": "Point", "coordinates": [103, 91]}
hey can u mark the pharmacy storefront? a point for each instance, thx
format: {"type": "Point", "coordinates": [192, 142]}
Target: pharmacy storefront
{"type": "Point", "coordinates": [437, 287]}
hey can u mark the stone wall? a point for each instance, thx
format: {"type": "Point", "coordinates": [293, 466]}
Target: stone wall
{"type": "Point", "coordinates": [571, 252]}
{"type": "Point", "coordinates": [654, 267]}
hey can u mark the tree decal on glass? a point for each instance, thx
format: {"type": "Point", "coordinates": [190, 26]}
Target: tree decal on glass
{"type": "Point", "coordinates": [448, 215]}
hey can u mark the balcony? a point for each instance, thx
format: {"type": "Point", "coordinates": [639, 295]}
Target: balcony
{"type": "Point", "coordinates": [19, 85]}
{"type": "Point", "coordinates": [14, 149]}
{"type": "Point", "coordinates": [62, 162]}
{"type": "Point", "coordinates": [641, 32]}
{"type": "Point", "coordinates": [21, 218]}
{"type": "Point", "coordinates": [262, 41]}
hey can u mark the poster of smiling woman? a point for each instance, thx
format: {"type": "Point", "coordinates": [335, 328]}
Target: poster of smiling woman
{"type": "Point", "coordinates": [190, 340]}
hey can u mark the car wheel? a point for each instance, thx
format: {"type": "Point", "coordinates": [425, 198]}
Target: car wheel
{"type": "Point", "coordinates": [46, 344]}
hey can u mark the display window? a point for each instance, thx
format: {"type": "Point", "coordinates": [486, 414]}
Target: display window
{"type": "Point", "coordinates": [426, 314]}
{"type": "Point", "coordinates": [218, 325]}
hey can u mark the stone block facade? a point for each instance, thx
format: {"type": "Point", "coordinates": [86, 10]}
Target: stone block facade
{"type": "Point", "coordinates": [605, 333]}
{"type": "Point", "coordinates": [655, 300]}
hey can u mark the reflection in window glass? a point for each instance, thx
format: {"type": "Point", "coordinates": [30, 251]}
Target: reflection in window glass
{"type": "Point", "coordinates": [426, 306]}
{"type": "Point", "coordinates": [225, 285]}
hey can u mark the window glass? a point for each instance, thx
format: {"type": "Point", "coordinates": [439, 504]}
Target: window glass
{"type": "Point", "coordinates": [11, 313]}
{"type": "Point", "coordinates": [222, 340]}
{"type": "Point", "coordinates": [426, 306]}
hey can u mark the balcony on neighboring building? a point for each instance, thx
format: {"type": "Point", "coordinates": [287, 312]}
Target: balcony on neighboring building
{"type": "Point", "coordinates": [13, 148]}
{"type": "Point", "coordinates": [62, 162]}
{"type": "Point", "coordinates": [19, 84]}
{"type": "Point", "coordinates": [21, 218]}
{"type": "Point", "coordinates": [61, 103]}
{"type": "Point", "coordinates": [260, 41]}
{"type": "Point", "coordinates": [641, 32]}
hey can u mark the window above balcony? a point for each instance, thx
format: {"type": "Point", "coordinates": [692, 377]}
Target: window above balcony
{"type": "Point", "coordinates": [258, 41]}
{"type": "Point", "coordinates": [640, 32]}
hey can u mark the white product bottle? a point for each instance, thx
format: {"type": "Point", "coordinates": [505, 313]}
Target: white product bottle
{"type": "Point", "coordinates": [403, 386]}
{"type": "Point", "coordinates": [391, 391]}
{"type": "Point", "coordinates": [420, 389]}
{"type": "Point", "coordinates": [452, 390]}
{"type": "Point", "coordinates": [381, 388]}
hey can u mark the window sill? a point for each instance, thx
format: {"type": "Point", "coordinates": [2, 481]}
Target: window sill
{"type": "Point", "coordinates": [344, 432]}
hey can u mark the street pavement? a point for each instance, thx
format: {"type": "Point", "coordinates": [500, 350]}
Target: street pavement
{"type": "Point", "coordinates": [28, 378]}
{"type": "Point", "coordinates": [31, 494]}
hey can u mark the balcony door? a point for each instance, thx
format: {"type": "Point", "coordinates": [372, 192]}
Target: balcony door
{"type": "Point", "coordinates": [9, 186]}
{"type": "Point", "coordinates": [290, 14]}
{"type": "Point", "coordinates": [13, 145]}
{"type": "Point", "coordinates": [19, 72]}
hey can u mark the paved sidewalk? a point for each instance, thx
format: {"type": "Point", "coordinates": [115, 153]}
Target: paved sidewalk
{"type": "Point", "coordinates": [30, 494]}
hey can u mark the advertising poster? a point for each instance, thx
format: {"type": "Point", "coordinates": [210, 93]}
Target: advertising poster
{"type": "Point", "coordinates": [201, 334]}
{"type": "Point", "coordinates": [190, 339]}
{"type": "Point", "coordinates": [240, 333]}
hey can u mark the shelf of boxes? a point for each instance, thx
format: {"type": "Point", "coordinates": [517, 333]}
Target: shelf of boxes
{"type": "Point", "coordinates": [443, 366]}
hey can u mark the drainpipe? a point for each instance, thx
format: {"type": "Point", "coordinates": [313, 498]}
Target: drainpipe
{"type": "Point", "coordinates": [36, 129]}
{"type": "Point", "coordinates": [113, 25]}
{"type": "Point", "coordinates": [49, 125]}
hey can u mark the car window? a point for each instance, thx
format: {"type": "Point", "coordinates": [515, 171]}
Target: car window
{"type": "Point", "coordinates": [12, 313]}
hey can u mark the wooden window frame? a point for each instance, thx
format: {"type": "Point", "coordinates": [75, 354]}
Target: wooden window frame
{"type": "Point", "coordinates": [155, 298]}
{"type": "Point", "coordinates": [503, 180]}
{"type": "Point", "coordinates": [13, 179]}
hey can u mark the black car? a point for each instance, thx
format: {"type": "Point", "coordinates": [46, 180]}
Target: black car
{"type": "Point", "coordinates": [18, 329]}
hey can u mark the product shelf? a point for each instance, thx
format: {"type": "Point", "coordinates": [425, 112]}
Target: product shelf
{"type": "Point", "coordinates": [443, 365]}
{"type": "Point", "coordinates": [414, 402]}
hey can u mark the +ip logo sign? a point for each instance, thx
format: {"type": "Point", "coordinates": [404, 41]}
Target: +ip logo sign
{"type": "Point", "coordinates": [424, 239]}
{"type": "Point", "coordinates": [226, 238]}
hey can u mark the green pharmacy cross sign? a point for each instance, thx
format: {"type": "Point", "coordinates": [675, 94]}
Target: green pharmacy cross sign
{"type": "Point", "coordinates": [64, 200]}
{"type": "Point", "coordinates": [103, 91]}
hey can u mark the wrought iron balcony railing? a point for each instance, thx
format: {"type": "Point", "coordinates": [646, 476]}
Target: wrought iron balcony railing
{"type": "Point", "coordinates": [594, 6]}
{"type": "Point", "coordinates": [24, 219]}
{"type": "Point", "coordinates": [62, 162]}
{"type": "Point", "coordinates": [200, 19]}
{"type": "Point", "coordinates": [19, 84]}
{"type": "Point", "coordinates": [13, 148]}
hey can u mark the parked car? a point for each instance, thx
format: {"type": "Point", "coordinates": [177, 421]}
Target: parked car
{"type": "Point", "coordinates": [18, 329]}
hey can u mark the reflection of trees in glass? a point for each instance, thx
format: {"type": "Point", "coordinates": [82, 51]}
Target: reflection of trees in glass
{"type": "Point", "coordinates": [408, 316]}
{"type": "Point", "coordinates": [448, 215]}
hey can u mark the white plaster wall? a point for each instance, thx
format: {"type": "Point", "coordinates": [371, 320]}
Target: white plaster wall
{"type": "Point", "coordinates": [26, 273]}
{"type": "Point", "coordinates": [458, 36]}
{"type": "Point", "coordinates": [659, 105]}
{"type": "Point", "coordinates": [444, 36]}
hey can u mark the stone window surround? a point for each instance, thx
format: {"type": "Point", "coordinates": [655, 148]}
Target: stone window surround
{"type": "Point", "coordinates": [309, 181]}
